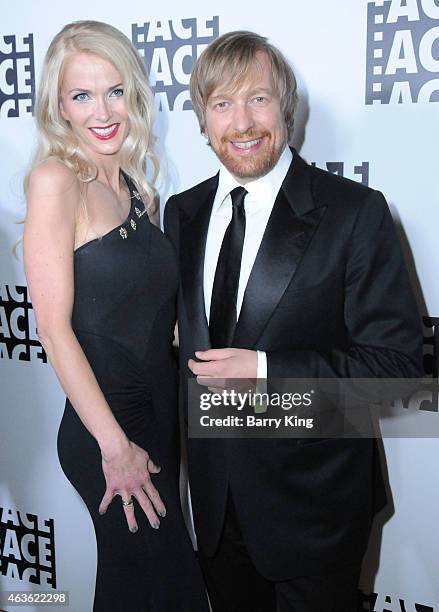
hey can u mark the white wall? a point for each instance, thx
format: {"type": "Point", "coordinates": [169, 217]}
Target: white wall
{"type": "Point", "coordinates": [331, 46]}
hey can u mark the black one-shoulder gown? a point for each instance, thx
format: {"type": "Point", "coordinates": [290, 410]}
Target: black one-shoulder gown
{"type": "Point", "coordinates": [123, 317]}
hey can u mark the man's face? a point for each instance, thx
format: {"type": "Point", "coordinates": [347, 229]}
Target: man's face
{"type": "Point", "coordinates": [246, 128]}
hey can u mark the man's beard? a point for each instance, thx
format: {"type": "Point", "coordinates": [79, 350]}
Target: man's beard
{"type": "Point", "coordinates": [255, 165]}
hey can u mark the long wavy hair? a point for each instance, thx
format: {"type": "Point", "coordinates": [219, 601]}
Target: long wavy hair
{"type": "Point", "coordinates": [56, 139]}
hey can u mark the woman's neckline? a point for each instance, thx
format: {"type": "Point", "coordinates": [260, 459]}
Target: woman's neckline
{"type": "Point", "coordinates": [119, 226]}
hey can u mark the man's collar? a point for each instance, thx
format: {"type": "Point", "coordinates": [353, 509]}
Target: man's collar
{"type": "Point", "coordinates": [262, 188]}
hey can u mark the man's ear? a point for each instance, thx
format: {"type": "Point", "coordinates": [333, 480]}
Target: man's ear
{"type": "Point", "coordinates": [206, 135]}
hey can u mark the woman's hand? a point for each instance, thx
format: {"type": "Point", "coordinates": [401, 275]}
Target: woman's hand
{"type": "Point", "coordinates": [128, 474]}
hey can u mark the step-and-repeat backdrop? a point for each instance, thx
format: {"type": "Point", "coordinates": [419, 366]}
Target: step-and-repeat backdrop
{"type": "Point", "coordinates": [368, 77]}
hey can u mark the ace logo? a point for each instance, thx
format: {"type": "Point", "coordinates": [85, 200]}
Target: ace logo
{"type": "Point", "coordinates": [402, 63]}
{"type": "Point", "coordinates": [360, 172]}
{"type": "Point", "coordinates": [426, 398]}
{"type": "Point", "coordinates": [431, 346]}
{"type": "Point", "coordinates": [381, 602]}
{"type": "Point", "coordinates": [170, 48]}
{"type": "Point", "coordinates": [18, 331]}
{"type": "Point", "coordinates": [17, 76]}
{"type": "Point", "coordinates": [27, 547]}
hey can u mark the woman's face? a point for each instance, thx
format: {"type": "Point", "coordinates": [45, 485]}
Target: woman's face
{"type": "Point", "coordinates": [92, 101]}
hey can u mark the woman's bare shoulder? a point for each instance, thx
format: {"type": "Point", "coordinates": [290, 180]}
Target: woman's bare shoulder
{"type": "Point", "coordinates": [53, 178]}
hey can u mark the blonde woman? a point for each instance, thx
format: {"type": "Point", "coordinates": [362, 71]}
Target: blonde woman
{"type": "Point", "coordinates": [103, 280]}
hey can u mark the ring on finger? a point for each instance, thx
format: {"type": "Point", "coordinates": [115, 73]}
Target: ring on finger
{"type": "Point", "coordinates": [128, 503]}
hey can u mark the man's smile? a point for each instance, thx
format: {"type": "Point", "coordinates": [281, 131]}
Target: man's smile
{"type": "Point", "coordinates": [248, 145]}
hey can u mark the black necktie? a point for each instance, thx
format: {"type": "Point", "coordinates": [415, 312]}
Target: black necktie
{"type": "Point", "coordinates": [222, 319]}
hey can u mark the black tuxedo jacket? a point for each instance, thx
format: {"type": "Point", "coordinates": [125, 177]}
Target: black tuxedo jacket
{"type": "Point", "coordinates": [328, 296]}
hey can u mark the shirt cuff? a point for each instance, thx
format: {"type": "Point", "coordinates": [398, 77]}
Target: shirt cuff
{"type": "Point", "coordinates": [261, 371]}
{"type": "Point", "coordinates": [261, 383]}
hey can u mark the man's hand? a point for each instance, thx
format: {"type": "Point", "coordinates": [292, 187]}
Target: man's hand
{"type": "Point", "coordinates": [219, 367]}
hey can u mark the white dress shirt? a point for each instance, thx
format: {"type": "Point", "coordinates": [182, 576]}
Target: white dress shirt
{"type": "Point", "coordinates": [258, 204]}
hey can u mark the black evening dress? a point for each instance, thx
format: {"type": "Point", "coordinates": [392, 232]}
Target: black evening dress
{"type": "Point", "coordinates": [123, 317]}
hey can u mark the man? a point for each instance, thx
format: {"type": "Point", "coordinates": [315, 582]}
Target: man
{"type": "Point", "coordinates": [297, 275]}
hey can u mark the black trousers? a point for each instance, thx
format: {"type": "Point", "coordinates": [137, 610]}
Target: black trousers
{"type": "Point", "coordinates": [234, 584]}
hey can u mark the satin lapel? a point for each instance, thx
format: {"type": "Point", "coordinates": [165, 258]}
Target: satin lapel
{"type": "Point", "coordinates": [285, 241]}
{"type": "Point", "coordinates": [193, 237]}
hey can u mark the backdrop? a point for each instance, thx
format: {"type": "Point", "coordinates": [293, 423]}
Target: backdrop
{"type": "Point", "coordinates": [368, 77]}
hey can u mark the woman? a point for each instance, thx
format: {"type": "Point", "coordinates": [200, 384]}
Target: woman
{"type": "Point", "coordinates": [103, 281]}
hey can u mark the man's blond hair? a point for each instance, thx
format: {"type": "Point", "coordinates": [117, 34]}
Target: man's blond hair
{"type": "Point", "coordinates": [228, 60]}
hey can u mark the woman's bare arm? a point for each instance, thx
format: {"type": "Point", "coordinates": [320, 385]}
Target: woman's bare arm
{"type": "Point", "coordinates": [49, 237]}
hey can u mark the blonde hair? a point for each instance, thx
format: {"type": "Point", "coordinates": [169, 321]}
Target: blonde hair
{"type": "Point", "coordinates": [228, 60]}
{"type": "Point", "coordinates": [55, 135]}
